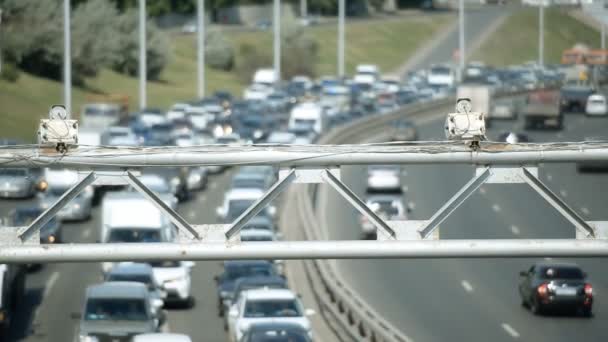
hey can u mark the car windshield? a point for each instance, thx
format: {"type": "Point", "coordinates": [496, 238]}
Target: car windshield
{"type": "Point", "coordinates": [256, 238]}
{"type": "Point", "coordinates": [272, 308]}
{"type": "Point", "coordinates": [279, 335]}
{"type": "Point", "coordinates": [234, 272]}
{"type": "Point", "coordinates": [106, 309]}
{"type": "Point", "coordinates": [126, 235]}
{"type": "Point", "coordinates": [13, 172]}
{"type": "Point", "coordinates": [248, 183]}
{"type": "Point", "coordinates": [165, 264]}
{"type": "Point", "coordinates": [561, 273]}
{"type": "Point", "coordinates": [137, 278]}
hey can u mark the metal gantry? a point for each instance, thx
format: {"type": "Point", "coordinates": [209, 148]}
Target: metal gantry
{"type": "Point", "coordinates": [495, 163]}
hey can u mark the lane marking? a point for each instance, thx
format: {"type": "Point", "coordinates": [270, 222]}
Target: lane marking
{"type": "Point", "coordinates": [585, 211]}
{"type": "Point", "coordinates": [509, 329]}
{"type": "Point", "coordinates": [50, 284]}
{"type": "Point", "coordinates": [467, 286]}
{"type": "Point", "coordinates": [405, 188]}
{"type": "Point", "coordinates": [515, 230]}
{"type": "Point", "coordinates": [549, 177]}
{"type": "Point", "coordinates": [482, 190]}
{"type": "Point", "coordinates": [496, 207]}
{"type": "Point", "coordinates": [412, 205]}
{"type": "Point", "coordinates": [191, 214]}
{"type": "Point", "coordinates": [563, 193]}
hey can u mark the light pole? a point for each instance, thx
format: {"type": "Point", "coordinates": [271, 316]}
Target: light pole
{"type": "Point", "coordinates": [303, 8]}
{"type": "Point", "coordinates": [0, 42]}
{"type": "Point", "coordinates": [200, 47]}
{"type": "Point", "coordinates": [142, 54]}
{"type": "Point", "coordinates": [541, 34]}
{"type": "Point", "coordinates": [276, 23]}
{"type": "Point", "coordinates": [67, 59]}
{"type": "Point", "coordinates": [461, 43]}
{"type": "Point", "coordinates": [341, 19]}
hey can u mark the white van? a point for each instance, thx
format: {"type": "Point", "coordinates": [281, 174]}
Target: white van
{"type": "Point", "coordinates": [368, 69]}
{"type": "Point", "coordinates": [265, 76]}
{"type": "Point", "coordinates": [308, 115]}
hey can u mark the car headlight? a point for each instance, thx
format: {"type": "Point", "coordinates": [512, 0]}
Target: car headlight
{"type": "Point", "coordinates": [257, 134]}
{"type": "Point", "coordinates": [224, 294]}
{"type": "Point", "coordinates": [175, 182]}
{"type": "Point", "coordinates": [194, 178]}
{"type": "Point", "coordinates": [76, 206]}
{"type": "Point", "coordinates": [87, 338]}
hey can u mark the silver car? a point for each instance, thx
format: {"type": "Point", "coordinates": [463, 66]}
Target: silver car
{"type": "Point", "coordinates": [78, 209]}
{"type": "Point", "coordinates": [17, 183]}
{"type": "Point", "coordinates": [117, 311]}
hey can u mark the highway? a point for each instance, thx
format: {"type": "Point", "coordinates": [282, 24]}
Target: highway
{"type": "Point", "coordinates": [56, 292]}
{"type": "Point", "coordinates": [476, 300]}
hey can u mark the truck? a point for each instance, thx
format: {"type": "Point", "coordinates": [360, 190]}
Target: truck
{"type": "Point", "coordinates": [480, 96]}
{"type": "Point", "coordinates": [574, 95]}
{"type": "Point", "coordinates": [542, 110]}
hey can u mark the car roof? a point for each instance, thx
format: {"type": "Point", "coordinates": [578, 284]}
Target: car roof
{"type": "Point", "coordinates": [118, 289]}
{"type": "Point", "coordinates": [384, 197]}
{"type": "Point", "coordinates": [276, 326]}
{"type": "Point", "coordinates": [261, 280]}
{"type": "Point", "coordinates": [244, 193]}
{"type": "Point", "coordinates": [266, 293]}
{"type": "Point", "coordinates": [556, 264]}
{"type": "Point", "coordinates": [131, 268]}
{"type": "Point", "coordinates": [230, 263]}
{"type": "Point", "coordinates": [162, 337]}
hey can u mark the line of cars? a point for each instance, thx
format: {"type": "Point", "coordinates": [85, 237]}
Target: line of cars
{"type": "Point", "coordinates": [253, 295]}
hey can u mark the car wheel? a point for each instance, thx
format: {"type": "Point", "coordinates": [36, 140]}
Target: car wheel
{"type": "Point", "coordinates": [535, 307]}
{"type": "Point", "coordinates": [190, 302]}
{"type": "Point", "coordinates": [587, 312]}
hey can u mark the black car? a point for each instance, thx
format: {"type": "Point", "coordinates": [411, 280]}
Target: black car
{"type": "Point", "coordinates": [233, 271]}
{"type": "Point", "coordinates": [558, 286]}
{"type": "Point", "coordinates": [573, 97]}
{"type": "Point", "coordinates": [276, 332]}
{"type": "Point", "coordinates": [24, 216]}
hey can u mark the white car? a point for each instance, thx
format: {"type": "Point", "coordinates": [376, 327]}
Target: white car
{"type": "Point", "coordinates": [177, 111]}
{"type": "Point", "coordinates": [255, 234]}
{"type": "Point", "coordinates": [383, 178]}
{"type": "Point", "coordinates": [387, 207]}
{"type": "Point", "coordinates": [162, 337]}
{"type": "Point", "coordinates": [266, 306]}
{"type": "Point", "coordinates": [441, 76]}
{"type": "Point", "coordinates": [236, 201]}
{"type": "Point", "coordinates": [282, 138]}
{"type": "Point", "coordinates": [596, 105]}
{"type": "Point", "coordinates": [176, 280]}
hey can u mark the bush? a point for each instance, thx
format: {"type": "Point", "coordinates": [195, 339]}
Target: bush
{"type": "Point", "coordinates": [127, 43]}
{"type": "Point", "coordinates": [219, 53]}
{"type": "Point", "coordinates": [250, 60]}
{"type": "Point", "coordinates": [299, 52]}
{"type": "Point", "coordinates": [9, 72]}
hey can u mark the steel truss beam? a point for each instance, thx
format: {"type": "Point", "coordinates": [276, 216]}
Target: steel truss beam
{"type": "Point", "coordinates": [304, 250]}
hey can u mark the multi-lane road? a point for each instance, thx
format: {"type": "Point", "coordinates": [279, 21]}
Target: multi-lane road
{"type": "Point", "coordinates": [472, 299]}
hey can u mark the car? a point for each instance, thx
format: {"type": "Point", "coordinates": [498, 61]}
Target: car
{"type": "Point", "coordinates": [384, 178]}
{"type": "Point", "coordinates": [257, 282]}
{"type": "Point", "coordinates": [197, 178]}
{"type": "Point", "coordinates": [119, 136]}
{"type": "Point", "coordinates": [117, 311]}
{"type": "Point", "coordinates": [60, 181]}
{"type": "Point", "coordinates": [177, 111]}
{"type": "Point", "coordinates": [387, 207]}
{"type": "Point", "coordinates": [139, 273]}
{"type": "Point", "coordinates": [17, 183]}
{"type": "Point", "coordinates": [233, 271]}
{"type": "Point", "coordinates": [152, 116]}
{"type": "Point", "coordinates": [404, 130]}
{"type": "Point", "coordinates": [596, 105]}
{"type": "Point", "coordinates": [176, 280]}
{"type": "Point", "coordinates": [267, 306]}
{"type": "Point", "coordinates": [281, 138]}
{"type": "Point", "coordinates": [51, 232]}
{"type": "Point", "coordinates": [552, 285]}
{"type": "Point", "coordinates": [236, 201]}
{"type": "Point", "coordinates": [244, 180]}
{"type": "Point", "coordinates": [162, 337]}
{"type": "Point", "coordinates": [271, 332]}
{"type": "Point", "coordinates": [513, 138]}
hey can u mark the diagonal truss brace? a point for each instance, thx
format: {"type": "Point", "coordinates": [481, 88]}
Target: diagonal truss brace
{"type": "Point", "coordinates": [176, 218]}
{"type": "Point", "coordinates": [356, 202]}
{"type": "Point", "coordinates": [454, 202]}
{"type": "Point", "coordinates": [46, 216]}
{"type": "Point", "coordinates": [256, 207]}
{"type": "Point", "coordinates": [579, 223]}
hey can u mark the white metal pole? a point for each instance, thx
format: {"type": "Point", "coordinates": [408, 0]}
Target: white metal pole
{"type": "Point", "coordinates": [200, 47]}
{"type": "Point", "coordinates": [303, 8]}
{"type": "Point", "coordinates": [0, 42]}
{"type": "Point", "coordinates": [541, 34]}
{"type": "Point", "coordinates": [341, 19]}
{"type": "Point", "coordinates": [276, 23]}
{"type": "Point", "coordinates": [461, 34]}
{"type": "Point", "coordinates": [603, 42]}
{"type": "Point", "coordinates": [67, 59]}
{"type": "Point", "coordinates": [142, 55]}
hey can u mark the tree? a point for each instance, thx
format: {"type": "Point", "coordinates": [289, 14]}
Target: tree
{"type": "Point", "coordinates": [219, 52]}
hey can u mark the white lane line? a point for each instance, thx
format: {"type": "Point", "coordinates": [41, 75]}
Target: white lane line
{"type": "Point", "coordinates": [549, 177]}
{"type": "Point", "coordinates": [585, 211]}
{"type": "Point", "coordinates": [515, 230]}
{"type": "Point", "coordinates": [482, 190]}
{"type": "Point", "coordinates": [496, 207]}
{"type": "Point", "coordinates": [411, 205]}
{"type": "Point", "coordinates": [467, 286]}
{"type": "Point", "coordinates": [191, 214]}
{"type": "Point", "coordinates": [510, 330]}
{"type": "Point", "coordinates": [405, 188]}
{"type": "Point", "coordinates": [563, 193]}
{"type": "Point", "coordinates": [213, 185]}
{"type": "Point", "coordinates": [50, 283]}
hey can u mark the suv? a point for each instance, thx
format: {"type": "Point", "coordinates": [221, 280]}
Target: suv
{"type": "Point", "coordinates": [117, 311]}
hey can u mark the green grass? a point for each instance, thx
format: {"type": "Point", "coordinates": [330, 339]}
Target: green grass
{"type": "Point", "coordinates": [387, 43]}
{"type": "Point", "coordinates": [516, 41]}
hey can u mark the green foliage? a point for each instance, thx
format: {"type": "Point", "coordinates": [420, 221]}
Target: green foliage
{"type": "Point", "coordinates": [219, 52]}
{"type": "Point", "coordinates": [9, 72]}
{"type": "Point", "coordinates": [251, 59]}
{"type": "Point", "coordinates": [299, 51]}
